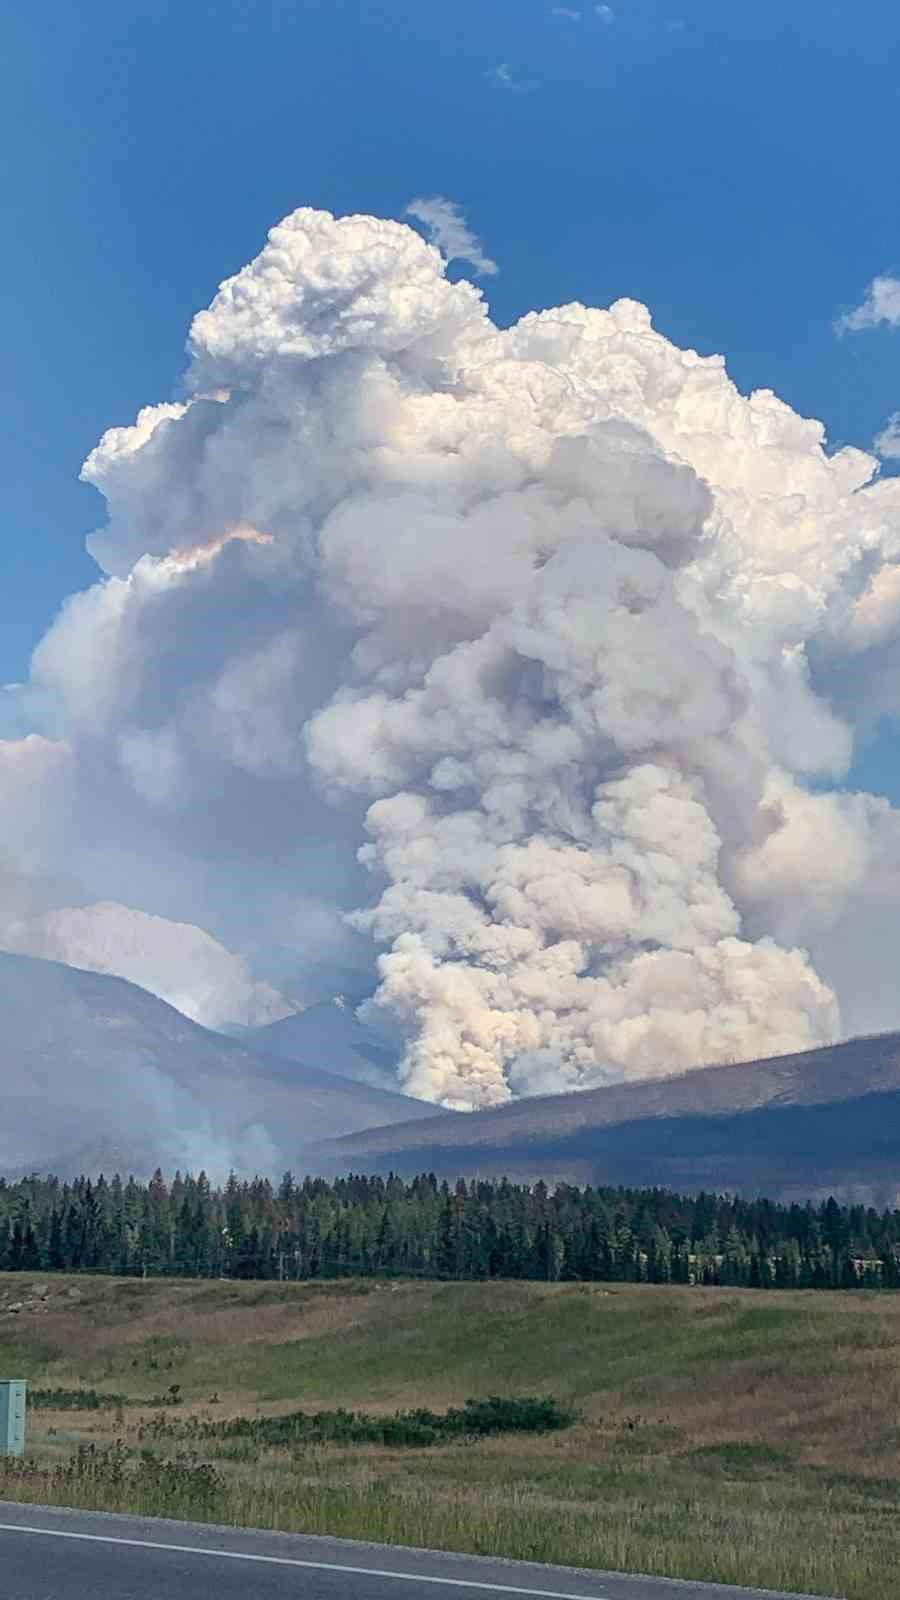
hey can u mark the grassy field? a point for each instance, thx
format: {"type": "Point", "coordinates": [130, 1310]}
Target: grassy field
{"type": "Point", "coordinates": [745, 1437]}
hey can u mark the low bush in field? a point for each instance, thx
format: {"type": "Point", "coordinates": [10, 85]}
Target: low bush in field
{"type": "Point", "coordinates": [74, 1400]}
{"type": "Point", "coordinates": [477, 1419]}
{"type": "Point", "coordinates": [182, 1481]}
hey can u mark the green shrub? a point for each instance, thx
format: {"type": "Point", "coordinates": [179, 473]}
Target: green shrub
{"type": "Point", "coordinates": [181, 1483]}
{"type": "Point", "coordinates": [74, 1400]}
{"type": "Point", "coordinates": [477, 1419]}
{"type": "Point", "coordinates": [526, 1414]}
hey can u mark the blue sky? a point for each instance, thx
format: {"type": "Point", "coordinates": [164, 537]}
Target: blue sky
{"type": "Point", "coordinates": [734, 166]}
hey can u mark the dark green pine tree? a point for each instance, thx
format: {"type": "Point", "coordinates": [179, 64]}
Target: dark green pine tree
{"type": "Point", "coordinates": [56, 1259]}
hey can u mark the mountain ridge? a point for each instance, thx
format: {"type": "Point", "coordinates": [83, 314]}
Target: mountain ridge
{"type": "Point", "coordinates": [97, 1069]}
{"type": "Point", "coordinates": [328, 1028]}
{"type": "Point", "coordinates": [92, 1060]}
{"type": "Point", "coordinates": [784, 1125]}
{"type": "Point", "coordinates": [820, 1075]}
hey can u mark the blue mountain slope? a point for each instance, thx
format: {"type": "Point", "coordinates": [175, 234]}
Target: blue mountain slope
{"type": "Point", "coordinates": [91, 1063]}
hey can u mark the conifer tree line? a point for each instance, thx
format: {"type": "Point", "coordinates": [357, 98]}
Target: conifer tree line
{"type": "Point", "coordinates": [372, 1226]}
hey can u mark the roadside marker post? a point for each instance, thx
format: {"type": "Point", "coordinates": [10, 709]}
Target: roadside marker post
{"type": "Point", "coordinates": [12, 1416]}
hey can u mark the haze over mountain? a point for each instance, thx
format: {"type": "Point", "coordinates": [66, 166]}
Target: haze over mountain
{"type": "Point", "coordinates": [821, 1122]}
{"type": "Point", "coordinates": [330, 1035]}
{"type": "Point", "coordinates": [100, 1075]}
{"type": "Point", "coordinates": [96, 1073]}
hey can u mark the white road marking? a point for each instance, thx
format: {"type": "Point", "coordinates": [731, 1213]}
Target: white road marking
{"type": "Point", "coordinates": [293, 1561]}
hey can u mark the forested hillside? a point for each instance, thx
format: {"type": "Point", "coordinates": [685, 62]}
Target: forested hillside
{"type": "Point", "coordinates": [359, 1227]}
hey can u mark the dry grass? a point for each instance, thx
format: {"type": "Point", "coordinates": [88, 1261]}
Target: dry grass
{"type": "Point", "coordinates": [749, 1438]}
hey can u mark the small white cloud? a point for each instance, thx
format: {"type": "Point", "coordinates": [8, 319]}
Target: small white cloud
{"type": "Point", "coordinates": [565, 13]}
{"type": "Point", "coordinates": [676, 25]}
{"type": "Point", "coordinates": [882, 304]}
{"type": "Point", "coordinates": [503, 75]}
{"type": "Point", "coordinates": [887, 442]}
{"type": "Point", "coordinates": [606, 14]}
{"type": "Point", "coordinates": [447, 228]}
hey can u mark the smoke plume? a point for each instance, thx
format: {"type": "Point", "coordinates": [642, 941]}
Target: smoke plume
{"type": "Point", "coordinates": [528, 659]}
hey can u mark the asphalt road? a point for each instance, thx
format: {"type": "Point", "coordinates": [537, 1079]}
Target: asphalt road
{"type": "Point", "coordinates": [85, 1555]}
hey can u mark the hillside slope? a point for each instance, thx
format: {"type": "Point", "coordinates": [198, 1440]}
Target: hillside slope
{"type": "Point", "coordinates": [721, 1433]}
{"type": "Point", "coordinates": [97, 1070]}
{"type": "Point", "coordinates": [826, 1120]}
{"type": "Point", "coordinates": [328, 1035]}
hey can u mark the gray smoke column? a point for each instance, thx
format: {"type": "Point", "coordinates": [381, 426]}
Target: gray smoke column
{"type": "Point", "coordinates": [531, 650]}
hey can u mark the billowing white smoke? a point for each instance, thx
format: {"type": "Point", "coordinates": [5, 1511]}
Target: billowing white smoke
{"type": "Point", "coordinates": [557, 621]}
